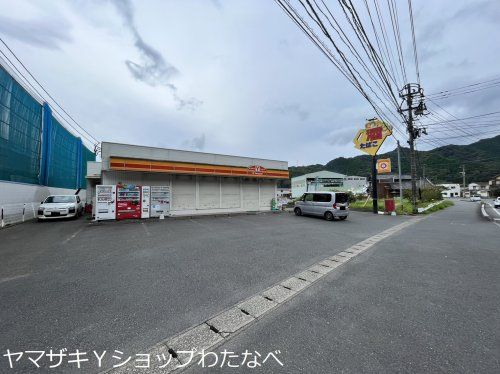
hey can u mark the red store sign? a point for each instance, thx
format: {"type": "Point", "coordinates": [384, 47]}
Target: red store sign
{"type": "Point", "coordinates": [257, 170]}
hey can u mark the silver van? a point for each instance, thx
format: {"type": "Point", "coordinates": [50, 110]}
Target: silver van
{"type": "Point", "coordinates": [330, 205]}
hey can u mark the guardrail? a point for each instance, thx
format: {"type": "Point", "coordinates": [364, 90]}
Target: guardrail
{"type": "Point", "coordinates": [17, 213]}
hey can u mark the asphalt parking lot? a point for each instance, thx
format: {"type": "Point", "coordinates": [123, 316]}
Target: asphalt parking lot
{"type": "Point", "coordinates": [424, 300]}
{"type": "Point", "coordinates": [127, 285]}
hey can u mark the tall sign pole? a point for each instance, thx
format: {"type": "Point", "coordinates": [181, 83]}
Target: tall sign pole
{"type": "Point", "coordinates": [374, 184]}
{"type": "Point", "coordinates": [369, 140]}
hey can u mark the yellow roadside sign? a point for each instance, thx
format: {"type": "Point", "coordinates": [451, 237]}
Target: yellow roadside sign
{"type": "Point", "coordinates": [371, 138]}
{"type": "Point", "coordinates": [384, 165]}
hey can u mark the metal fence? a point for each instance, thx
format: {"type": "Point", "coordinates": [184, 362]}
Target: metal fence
{"type": "Point", "coordinates": [17, 213]}
{"type": "Point", "coordinates": [35, 147]}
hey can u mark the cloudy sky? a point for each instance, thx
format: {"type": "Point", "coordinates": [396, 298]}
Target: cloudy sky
{"type": "Point", "coordinates": [234, 77]}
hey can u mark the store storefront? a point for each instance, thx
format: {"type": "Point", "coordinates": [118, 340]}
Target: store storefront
{"type": "Point", "coordinates": [143, 182]}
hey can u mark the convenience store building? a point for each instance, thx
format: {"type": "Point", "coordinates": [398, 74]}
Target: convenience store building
{"type": "Point", "coordinates": [192, 182]}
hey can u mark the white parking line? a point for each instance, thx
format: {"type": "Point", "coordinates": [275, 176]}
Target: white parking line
{"type": "Point", "coordinates": [14, 277]}
{"type": "Point", "coordinates": [200, 224]}
{"type": "Point", "coordinates": [218, 328]}
{"type": "Point", "coordinates": [72, 236]}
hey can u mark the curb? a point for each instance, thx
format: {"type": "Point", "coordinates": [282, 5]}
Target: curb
{"type": "Point", "coordinates": [484, 214]}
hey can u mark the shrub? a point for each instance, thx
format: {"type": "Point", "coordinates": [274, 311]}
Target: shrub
{"type": "Point", "coordinates": [431, 193]}
{"type": "Point", "coordinates": [351, 196]}
{"type": "Point", "coordinates": [425, 194]}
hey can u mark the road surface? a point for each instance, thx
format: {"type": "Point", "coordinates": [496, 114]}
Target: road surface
{"type": "Point", "coordinates": [423, 300]}
{"type": "Point", "coordinates": [423, 297]}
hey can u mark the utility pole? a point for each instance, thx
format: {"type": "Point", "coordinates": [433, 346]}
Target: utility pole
{"type": "Point", "coordinates": [463, 182]}
{"type": "Point", "coordinates": [413, 161]}
{"type": "Point", "coordinates": [408, 93]}
{"type": "Point", "coordinates": [400, 182]}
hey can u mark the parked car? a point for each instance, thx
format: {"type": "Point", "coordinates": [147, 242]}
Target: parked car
{"type": "Point", "coordinates": [59, 206]}
{"type": "Point", "coordinates": [497, 202]}
{"type": "Point", "coordinates": [475, 198]}
{"type": "Point", "coordinates": [329, 205]}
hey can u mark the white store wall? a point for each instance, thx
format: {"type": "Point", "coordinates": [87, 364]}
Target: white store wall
{"type": "Point", "coordinates": [192, 194]}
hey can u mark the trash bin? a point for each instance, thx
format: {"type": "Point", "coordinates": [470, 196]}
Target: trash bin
{"type": "Point", "coordinates": [390, 205]}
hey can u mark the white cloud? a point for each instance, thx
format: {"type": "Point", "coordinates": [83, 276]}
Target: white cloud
{"type": "Point", "coordinates": [124, 69]}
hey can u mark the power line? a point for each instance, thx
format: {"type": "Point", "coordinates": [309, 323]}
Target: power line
{"type": "Point", "coordinates": [469, 86]}
{"type": "Point", "coordinates": [343, 37]}
{"type": "Point", "coordinates": [368, 47]}
{"type": "Point", "coordinates": [478, 133]}
{"type": "Point", "coordinates": [460, 162]}
{"type": "Point", "coordinates": [385, 37]}
{"type": "Point", "coordinates": [322, 16]}
{"type": "Point", "coordinates": [414, 40]}
{"type": "Point", "coordinates": [464, 92]}
{"type": "Point", "coordinates": [443, 119]}
{"type": "Point", "coordinates": [340, 61]}
{"type": "Point", "coordinates": [397, 36]}
{"type": "Point", "coordinates": [48, 94]}
{"type": "Point", "coordinates": [377, 39]}
{"type": "Point", "coordinates": [464, 118]}
{"type": "Point", "coordinates": [22, 77]}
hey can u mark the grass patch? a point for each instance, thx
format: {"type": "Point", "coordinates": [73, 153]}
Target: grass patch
{"type": "Point", "coordinates": [366, 206]}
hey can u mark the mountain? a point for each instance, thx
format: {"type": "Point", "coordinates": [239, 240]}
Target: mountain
{"type": "Point", "coordinates": [440, 165]}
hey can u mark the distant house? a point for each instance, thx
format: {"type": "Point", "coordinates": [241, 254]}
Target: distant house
{"type": "Point", "coordinates": [388, 184]}
{"type": "Point", "coordinates": [494, 186]}
{"type": "Point", "coordinates": [450, 190]}
{"type": "Point", "coordinates": [478, 189]}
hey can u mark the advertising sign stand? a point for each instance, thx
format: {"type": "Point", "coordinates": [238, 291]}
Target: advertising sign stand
{"type": "Point", "coordinates": [374, 184]}
{"type": "Point", "coordinates": [369, 140]}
